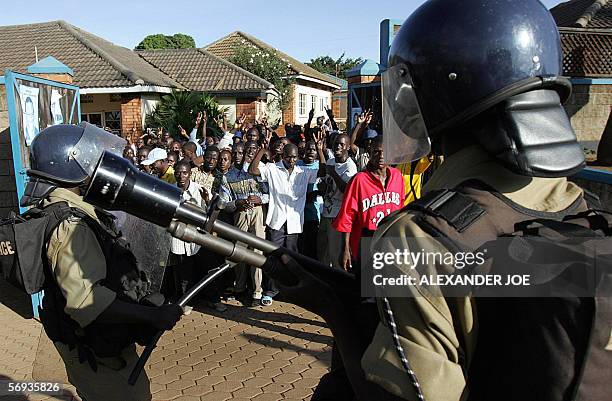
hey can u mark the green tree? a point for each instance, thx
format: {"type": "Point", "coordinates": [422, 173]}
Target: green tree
{"type": "Point", "coordinates": [337, 68]}
{"type": "Point", "coordinates": [161, 41]}
{"type": "Point", "coordinates": [181, 108]}
{"type": "Point", "coordinates": [269, 66]}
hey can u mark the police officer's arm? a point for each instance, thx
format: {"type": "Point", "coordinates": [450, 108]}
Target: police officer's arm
{"type": "Point", "coordinates": [429, 327]}
{"type": "Point", "coordinates": [162, 318]}
{"type": "Point", "coordinates": [79, 266]}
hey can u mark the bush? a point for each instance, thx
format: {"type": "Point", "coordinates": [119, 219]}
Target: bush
{"type": "Point", "coordinates": [181, 108]}
{"type": "Point", "coordinates": [267, 65]}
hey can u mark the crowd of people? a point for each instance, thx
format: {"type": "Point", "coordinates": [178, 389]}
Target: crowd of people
{"type": "Point", "coordinates": [316, 190]}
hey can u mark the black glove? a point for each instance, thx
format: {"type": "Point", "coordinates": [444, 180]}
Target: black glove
{"type": "Point", "coordinates": [310, 284]}
{"type": "Point", "coordinates": [166, 316]}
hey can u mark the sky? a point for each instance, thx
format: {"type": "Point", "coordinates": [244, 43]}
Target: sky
{"type": "Point", "coordinates": [302, 29]}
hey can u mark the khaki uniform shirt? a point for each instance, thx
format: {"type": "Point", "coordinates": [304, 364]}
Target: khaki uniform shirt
{"type": "Point", "coordinates": [78, 262]}
{"type": "Point", "coordinates": [438, 350]}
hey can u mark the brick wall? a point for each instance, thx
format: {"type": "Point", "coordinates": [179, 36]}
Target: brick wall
{"type": "Point", "coordinates": [8, 191]}
{"type": "Point", "coordinates": [131, 113]}
{"type": "Point", "coordinates": [589, 110]}
{"type": "Point", "coordinates": [248, 106]}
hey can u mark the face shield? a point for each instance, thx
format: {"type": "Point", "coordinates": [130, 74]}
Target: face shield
{"type": "Point", "coordinates": [93, 142]}
{"type": "Point", "coordinates": [405, 136]}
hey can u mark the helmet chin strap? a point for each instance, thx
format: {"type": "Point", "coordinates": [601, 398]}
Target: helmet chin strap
{"type": "Point", "coordinates": [531, 134]}
{"type": "Point", "coordinates": [35, 191]}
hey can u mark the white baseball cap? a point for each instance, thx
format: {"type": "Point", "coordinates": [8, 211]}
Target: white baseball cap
{"type": "Point", "coordinates": [155, 155]}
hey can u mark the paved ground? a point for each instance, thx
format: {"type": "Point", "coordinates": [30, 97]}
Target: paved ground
{"type": "Point", "coordinates": [272, 353]}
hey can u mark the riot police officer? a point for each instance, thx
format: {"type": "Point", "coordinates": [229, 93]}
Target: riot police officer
{"type": "Point", "coordinates": [93, 320]}
{"type": "Point", "coordinates": [480, 83]}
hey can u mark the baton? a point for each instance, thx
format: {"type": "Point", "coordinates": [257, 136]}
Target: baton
{"type": "Point", "coordinates": [144, 357]}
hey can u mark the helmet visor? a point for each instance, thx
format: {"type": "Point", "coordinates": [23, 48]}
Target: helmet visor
{"type": "Point", "coordinates": [405, 136]}
{"type": "Point", "coordinates": [92, 144]}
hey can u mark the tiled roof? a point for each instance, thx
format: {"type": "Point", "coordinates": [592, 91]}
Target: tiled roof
{"type": "Point", "coordinates": [226, 46]}
{"type": "Point", "coordinates": [593, 14]}
{"type": "Point", "coordinates": [585, 27]}
{"type": "Point", "coordinates": [96, 62]}
{"type": "Point", "coordinates": [200, 70]}
{"type": "Point", "coordinates": [587, 54]}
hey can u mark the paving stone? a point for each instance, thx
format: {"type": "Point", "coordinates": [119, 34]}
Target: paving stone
{"type": "Point", "coordinates": [181, 384]}
{"type": "Point", "coordinates": [167, 394]}
{"type": "Point", "coordinates": [277, 388]}
{"type": "Point", "coordinates": [287, 378]}
{"type": "Point", "coordinates": [228, 386]}
{"type": "Point", "coordinates": [216, 396]}
{"type": "Point", "coordinates": [297, 394]}
{"type": "Point", "coordinates": [198, 390]}
{"type": "Point", "coordinates": [210, 380]}
{"type": "Point", "coordinates": [282, 356]}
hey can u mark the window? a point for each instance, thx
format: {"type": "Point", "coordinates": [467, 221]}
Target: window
{"type": "Point", "coordinates": [112, 120]}
{"type": "Point", "coordinates": [313, 102]}
{"type": "Point", "coordinates": [93, 118]}
{"type": "Point", "coordinates": [322, 104]}
{"type": "Point", "coordinates": [302, 104]}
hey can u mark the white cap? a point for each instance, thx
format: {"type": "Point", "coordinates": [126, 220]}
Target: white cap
{"type": "Point", "coordinates": [155, 155]}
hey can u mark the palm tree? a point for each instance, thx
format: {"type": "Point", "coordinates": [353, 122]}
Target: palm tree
{"type": "Point", "coordinates": [181, 108]}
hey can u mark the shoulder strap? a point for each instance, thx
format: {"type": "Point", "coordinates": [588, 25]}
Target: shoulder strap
{"type": "Point", "coordinates": [473, 213]}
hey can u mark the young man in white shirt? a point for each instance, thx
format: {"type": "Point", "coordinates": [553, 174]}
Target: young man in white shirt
{"type": "Point", "coordinates": [288, 185]}
{"type": "Point", "coordinates": [340, 170]}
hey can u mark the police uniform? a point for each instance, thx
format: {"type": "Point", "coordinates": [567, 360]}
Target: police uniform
{"type": "Point", "coordinates": [78, 266]}
{"type": "Point", "coordinates": [439, 334]}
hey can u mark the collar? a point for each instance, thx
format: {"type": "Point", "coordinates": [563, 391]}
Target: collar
{"type": "Point", "coordinates": [73, 200]}
{"type": "Point", "coordinates": [535, 193]}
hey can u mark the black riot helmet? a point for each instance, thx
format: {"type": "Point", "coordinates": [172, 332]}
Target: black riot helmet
{"type": "Point", "coordinates": [454, 61]}
{"type": "Point", "coordinates": [65, 156]}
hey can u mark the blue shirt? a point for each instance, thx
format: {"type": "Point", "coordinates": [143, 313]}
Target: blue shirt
{"type": "Point", "coordinates": [312, 211]}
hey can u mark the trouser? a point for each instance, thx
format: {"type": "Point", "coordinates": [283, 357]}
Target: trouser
{"type": "Point", "coordinates": [106, 384]}
{"type": "Point", "coordinates": [280, 238]}
{"type": "Point", "coordinates": [206, 261]}
{"type": "Point", "coordinates": [308, 239]}
{"type": "Point", "coordinates": [329, 243]}
{"type": "Point", "coordinates": [253, 222]}
{"type": "Point", "coordinates": [179, 276]}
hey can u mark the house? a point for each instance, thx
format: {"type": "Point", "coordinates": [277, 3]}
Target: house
{"type": "Point", "coordinates": [120, 86]}
{"type": "Point", "coordinates": [585, 27]}
{"type": "Point", "coordinates": [311, 90]}
{"type": "Point", "coordinates": [199, 70]}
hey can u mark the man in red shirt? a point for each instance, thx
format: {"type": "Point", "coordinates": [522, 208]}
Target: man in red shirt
{"type": "Point", "coordinates": [370, 196]}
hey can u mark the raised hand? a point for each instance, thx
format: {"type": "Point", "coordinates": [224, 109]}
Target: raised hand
{"type": "Point", "coordinates": [330, 112]}
{"type": "Point", "coordinates": [198, 120]}
{"type": "Point", "coordinates": [311, 114]}
{"type": "Point", "coordinates": [368, 118]}
{"type": "Point", "coordinates": [205, 195]}
{"type": "Point", "coordinates": [182, 131]}
{"type": "Point", "coordinates": [319, 138]}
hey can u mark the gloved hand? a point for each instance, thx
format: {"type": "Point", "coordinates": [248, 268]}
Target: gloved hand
{"type": "Point", "coordinates": [165, 317]}
{"type": "Point", "coordinates": [310, 284]}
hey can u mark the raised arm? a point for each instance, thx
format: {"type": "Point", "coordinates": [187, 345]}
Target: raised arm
{"type": "Point", "coordinates": [307, 126]}
{"type": "Point", "coordinates": [254, 166]}
{"type": "Point", "coordinates": [330, 114]}
{"type": "Point", "coordinates": [358, 129]}
{"type": "Point", "coordinates": [319, 139]}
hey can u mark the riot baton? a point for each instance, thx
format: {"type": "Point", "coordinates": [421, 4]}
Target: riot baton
{"type": "Point", "coordinates": [144, 357]}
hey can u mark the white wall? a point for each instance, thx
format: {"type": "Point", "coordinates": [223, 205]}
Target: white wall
{"type": "Point", "coordinates": [148, 103]}
{"type": "Point", "coordinates": [308, 91]}
{"type": "Point", "coordinates": [230, 104]}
